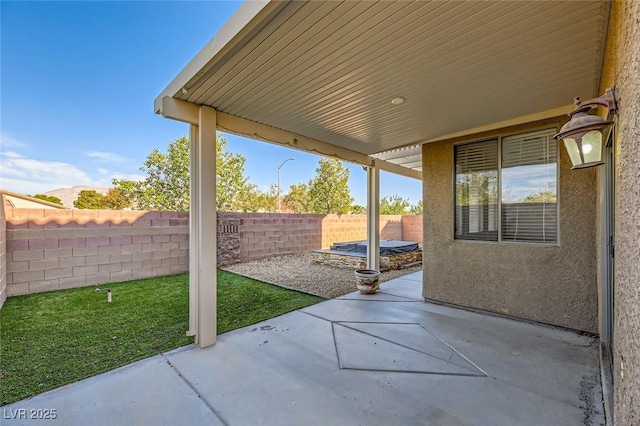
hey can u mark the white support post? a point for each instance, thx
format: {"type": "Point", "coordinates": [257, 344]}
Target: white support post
{"type": "Point", "coordinates": [206, 332]}
{"type": "Point", "coordinates": [373, 217]}
{"type": "Point", "coordinates": [194, 242]}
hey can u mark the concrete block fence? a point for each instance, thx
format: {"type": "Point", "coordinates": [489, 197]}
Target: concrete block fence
{"type": "Point", "coordinates": [57, 249]}
{"type": "Point", "coordinates": [45, 250]}
{"type": "Point", "coordinates": [412, 228]}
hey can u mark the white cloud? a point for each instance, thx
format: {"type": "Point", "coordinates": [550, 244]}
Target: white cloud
{"type": "Point", "coordinates": [7, 141]}
{"type": "Point", "coordinates": [21, 173]}
{"type": "Point", "coordinates": [520, 182]}
{"type": "Point", "coordinates": [29, 176]}
{"type": "Point", "coordinates": [11, 154]}
{"type": "Point", "coordinates": [105, 157]}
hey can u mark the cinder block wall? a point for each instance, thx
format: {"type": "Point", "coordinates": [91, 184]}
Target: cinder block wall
{"type": "Point", "coordinates": [274, 234]}
{"type": "Point", "coordinates": [390, 227]}
{"type": "Point", "coordinates": [57, 249]}
{"type": "Point", "coordinates": [343, 228]}
{"type": "Point", "coordinates": [412, 228]}
{"type": "Point", "coordinates": [354, 227]}
{"type": "Point", "coordinates": [3, 254]}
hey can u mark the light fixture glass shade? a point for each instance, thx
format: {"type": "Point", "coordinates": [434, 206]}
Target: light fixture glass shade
{"type": "Point", "coordinates": [574, 152]}
{"type": "Point", "coordinates": [592, 146]}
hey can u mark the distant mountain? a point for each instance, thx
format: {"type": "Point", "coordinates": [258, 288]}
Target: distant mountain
{"type": "Point", "coordinates": [69, 195]}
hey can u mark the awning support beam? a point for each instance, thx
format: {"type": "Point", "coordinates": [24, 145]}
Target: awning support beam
{"type": "Point", "coordinates": [194, 234]}
{"type": "Point", "coordinates": [206, 227]}
{"type": "Point", "coordinates": [187, 112]}
{"type": "Point", "coordinates": [373, 217]}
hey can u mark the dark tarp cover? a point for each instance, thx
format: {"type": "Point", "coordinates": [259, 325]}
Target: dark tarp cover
{"type": "Point", "coordinates": [387, 247]}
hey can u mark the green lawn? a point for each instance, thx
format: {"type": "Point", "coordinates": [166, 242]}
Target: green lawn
{"type": "Point", "coordinates": [51, 339]}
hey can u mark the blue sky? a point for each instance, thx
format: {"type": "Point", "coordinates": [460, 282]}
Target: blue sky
{"type": "Point", "coordinates": [78, 80]}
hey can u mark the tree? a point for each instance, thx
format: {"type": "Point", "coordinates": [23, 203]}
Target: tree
{"type": "Point", "coordinates": [116, 199]}
{"type": "Point", "coordinates": [416, 209]}
{"type": "Point", "coordinates": [473, 188]}
{"type": "Point", "coordinates": [166, 185]}
{"type": "Point", "coordinates": [90, 199]}
{"type": "Point", "coordinates": [231, 183]}
{"type": "Point", "coordinates": [253, 200]}
{"type": "Point", "coordinates": [358, 209]}
{"type": "Point", "coordinates": [298, 198]}
{"type": "Point", "coordinates": [49, 198]}
{"type": "Point", "coordinates": [328, 190]}
{"type": "Point", "coordinates": [249, 199]}
{"type": "Point", "coordinates": [541, 197]}
{"type": "Point", "coordinates": [394, 204]}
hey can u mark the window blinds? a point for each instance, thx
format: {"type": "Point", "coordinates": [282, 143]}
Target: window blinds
{"type": "Point", "coordinates": [529, 149]}
{"type": "Point", "coordinates": [477, 191]}
{"type": "Point", "coordinates": [477, 157]}
{"type": "Point", "coordinates": [529, 188]}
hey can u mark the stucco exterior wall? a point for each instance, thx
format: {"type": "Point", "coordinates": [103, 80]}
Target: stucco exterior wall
{"type": "Point", "coordinates": [550, 284]}
{"type": "Point", "coordinates": [24, 203]}
{"type": "Point", "coordinates": [622, 69]}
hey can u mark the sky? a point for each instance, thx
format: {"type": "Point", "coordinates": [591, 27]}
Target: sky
{"type": "Point", "coordinates": [77, 84]}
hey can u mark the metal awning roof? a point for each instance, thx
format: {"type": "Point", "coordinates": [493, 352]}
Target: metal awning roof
{"type": "Point", "coordinates": [328, 70]}
{"type": "Point", "coordinates": [409, 157]}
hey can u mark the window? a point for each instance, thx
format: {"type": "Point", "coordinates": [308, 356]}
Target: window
{"type": "Point", "coordinates": [529, 195]}
{"type": "Point", "coordinates": [477, 191]}
{"type": "Point", "coordinates": [523, 180]}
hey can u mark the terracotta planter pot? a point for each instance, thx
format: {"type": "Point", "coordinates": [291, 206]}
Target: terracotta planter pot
{"type": "Point", "coordinates": [368, 280]}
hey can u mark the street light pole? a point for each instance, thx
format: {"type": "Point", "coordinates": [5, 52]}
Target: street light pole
{"type": "Point", "coordinates": [281, 164]}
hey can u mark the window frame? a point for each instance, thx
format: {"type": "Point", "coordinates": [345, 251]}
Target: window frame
{"type": "Point", "coordinates": [499, 138]}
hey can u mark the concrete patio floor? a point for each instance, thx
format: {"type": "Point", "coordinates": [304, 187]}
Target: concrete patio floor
{"type": "Point", "coordinates": [385, 359]}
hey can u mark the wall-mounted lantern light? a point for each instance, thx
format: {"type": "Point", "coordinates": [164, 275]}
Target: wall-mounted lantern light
{"type": "Point", "coordinates": [583, 133]}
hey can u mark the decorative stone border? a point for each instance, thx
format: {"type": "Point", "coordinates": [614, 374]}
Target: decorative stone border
{"type": "Point", "coordinates": [359, 260]}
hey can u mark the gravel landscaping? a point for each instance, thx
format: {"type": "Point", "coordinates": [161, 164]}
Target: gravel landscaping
{"type": "Point", "coordinates": [299, 272]}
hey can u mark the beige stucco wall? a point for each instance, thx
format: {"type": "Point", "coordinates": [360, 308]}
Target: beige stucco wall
{"type": "Point", "coordinates": [622, 69]}
{"type": "Point", "coordinates": [22, 203]}
{"type": "Point", "coordinates": [550, 284]}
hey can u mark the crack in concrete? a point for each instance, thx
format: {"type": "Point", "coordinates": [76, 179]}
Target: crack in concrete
{"type": "Point", "coordinates": [195, 390]}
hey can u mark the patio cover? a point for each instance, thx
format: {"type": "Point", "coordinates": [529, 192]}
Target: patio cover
{"type": "Point", "coordinates": [320, 77]}
{"type": "Point", "coordinates": [328, 70]}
